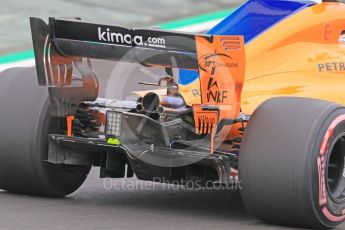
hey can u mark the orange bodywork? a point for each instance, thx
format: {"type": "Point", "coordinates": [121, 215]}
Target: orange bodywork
{"type": "Point", "coordinates": [221, 70]}
{"type": "Point", "coordinates": [206, 123]}
{"type": "Point", "coordinates": [69, 122]}
{"type": "Point", "coordinates": [221, 76]}
{"type": "Point", "coordinates": [301, 56]}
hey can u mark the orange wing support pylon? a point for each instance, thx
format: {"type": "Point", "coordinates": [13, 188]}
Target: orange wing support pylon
{"type": "Point", "coordinates": [221, 73]}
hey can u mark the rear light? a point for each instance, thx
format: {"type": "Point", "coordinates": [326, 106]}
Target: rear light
{"type": "Point", "coordinates": [113, 126]}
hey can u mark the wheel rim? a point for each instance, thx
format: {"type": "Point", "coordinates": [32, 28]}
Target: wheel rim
{"type": "Point", "coordinates": [336, 170]}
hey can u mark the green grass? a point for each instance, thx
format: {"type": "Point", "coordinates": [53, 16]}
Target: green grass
{"type": "Point", "coordinates": [18, 56]}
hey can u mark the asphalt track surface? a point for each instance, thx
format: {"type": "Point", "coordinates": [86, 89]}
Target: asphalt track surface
{"type": "Point", "coordinates": [128, 204]}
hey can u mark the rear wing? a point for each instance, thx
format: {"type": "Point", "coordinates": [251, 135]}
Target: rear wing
{"type": "Point", "coordinates": [61, 45]}
{"type": "Point", "coordinates": [61, 39]}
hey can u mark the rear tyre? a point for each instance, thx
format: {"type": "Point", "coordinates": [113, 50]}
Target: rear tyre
{"type": "Point", "coordinates": [24, 127]}
{"type": "Point", "coordinates": [292, 163]}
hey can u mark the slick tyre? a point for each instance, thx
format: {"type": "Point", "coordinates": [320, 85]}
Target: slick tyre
{"type": "Point", "coordinates": [24, 127]}
{"type": "Point", "coordinates": [292, 162]}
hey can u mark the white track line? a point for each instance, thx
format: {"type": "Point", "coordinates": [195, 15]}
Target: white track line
{"type": "Point", "coordinates": [24, 63]}
{"type": "Point", "coordinates": [196, 28]}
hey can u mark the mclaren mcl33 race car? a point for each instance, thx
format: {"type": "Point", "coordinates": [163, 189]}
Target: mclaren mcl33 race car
{"type": "Point", "coordinates": [258, 100]}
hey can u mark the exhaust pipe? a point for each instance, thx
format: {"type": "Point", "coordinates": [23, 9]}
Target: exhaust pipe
{"type": "Point", "coordinates": [139, 108]}
{"type": "Point", "coordinates": [153, 102]}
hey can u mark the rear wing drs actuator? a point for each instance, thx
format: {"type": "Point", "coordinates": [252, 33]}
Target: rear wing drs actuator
{"type": "Point", "coordinates": [61, 44]}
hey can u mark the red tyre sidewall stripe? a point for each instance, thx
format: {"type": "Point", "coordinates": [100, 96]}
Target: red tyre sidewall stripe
{"type": "Point", "coordinates": [321, 164]}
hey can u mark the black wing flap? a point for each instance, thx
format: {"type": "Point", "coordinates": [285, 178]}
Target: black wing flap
{"type": "Point", "coordinates": [116, 35]}
{"type": "Point", "coordinates": [149, 47]}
